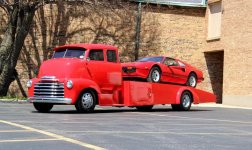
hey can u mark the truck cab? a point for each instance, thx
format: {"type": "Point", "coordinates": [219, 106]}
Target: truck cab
{"type": "Point", "coordinates": [76, 69]}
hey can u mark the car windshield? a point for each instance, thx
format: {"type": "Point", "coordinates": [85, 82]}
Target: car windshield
{"type": "Point", "coordinates": [69, 53]}
{"type": "Point", "coordinates": [154, 59]}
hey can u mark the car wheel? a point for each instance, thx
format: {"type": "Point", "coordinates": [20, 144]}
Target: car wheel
{"type": "Point", "coordinates": [86, 102]}
{"type": "Point", "coordinates": [144, 108]}
{"type": "Point", "coordinates": [192, 80]}
{"type": "Point", "coordinates": [43, 107]}
{"type": "Point", "coordinates": [154, 75]}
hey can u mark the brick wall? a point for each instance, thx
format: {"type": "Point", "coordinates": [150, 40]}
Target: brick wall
{"type": "Point", "coordinates": [236, 37]}
{"type": "Point", "coordinates": [173, 31]}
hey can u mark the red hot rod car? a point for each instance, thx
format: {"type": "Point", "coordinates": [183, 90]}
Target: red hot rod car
{"type": "Point", "coordinates": [163, 69]}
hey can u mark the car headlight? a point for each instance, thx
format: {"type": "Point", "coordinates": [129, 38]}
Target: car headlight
{"type": "Point", "coordinates": [69, 84]}
{"type": "Point", "coordinates": [29, 83]}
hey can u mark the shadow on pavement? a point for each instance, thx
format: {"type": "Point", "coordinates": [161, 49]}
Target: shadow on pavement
{"type": "Point", "coordinates": [96, 111]}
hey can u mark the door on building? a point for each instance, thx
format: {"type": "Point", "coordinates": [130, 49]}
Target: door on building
{"type": "Point", "coordinates": [215, 61]}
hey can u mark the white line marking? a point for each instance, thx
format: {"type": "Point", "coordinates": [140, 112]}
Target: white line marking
{"type": "Point", "coordinates": [220, 120]}
{"type": "Point", "coordinates": [60, 137]}
{"type": "Point", "coordinates": [27, 140]}
{"type": "Point", "coordinates": [15, 131]}
{"type": "Point", "coordinates": [158, 132]}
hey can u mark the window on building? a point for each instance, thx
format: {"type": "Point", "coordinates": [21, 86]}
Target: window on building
{"type": "Point", "coordinates": [111, 56]}
{"type": "Point", "coordinates": [214, 21]}
{"type": "Point", "coordinates": [96, 55]}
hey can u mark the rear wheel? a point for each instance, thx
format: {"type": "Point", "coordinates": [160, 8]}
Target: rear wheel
{"type": "Point", "coordinates": [43, 107]}
{"type": "Point", "coordinates": [154, 75]}
{"type": "Point", "coordinates": [86, 102]}
{"type": "Point", "coordinates": [144, 108]}
{"type": "Point", "coordinates": [192, 80]}
{"type": "Point", "coordinates": [185, 102]}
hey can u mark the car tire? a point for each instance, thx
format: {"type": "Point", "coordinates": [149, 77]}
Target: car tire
{"type": "Point", "coordinates": [192, 80]}
{"type": "Point", "coordinates": [86, 102]}
{"type": "Point", "coordinates": [175, 107]}
{"type": "Point", "coordinates": [43, 107]}
{"type": "Point", "coordinates": [154, 75]}
{"type": "Point", "coordinates": [144, 108]}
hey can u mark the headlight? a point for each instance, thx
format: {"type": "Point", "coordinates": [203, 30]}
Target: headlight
{"type": "Point", "coordinates": [69, 84]}
{"type": "Point", "coordinates": [29, 83]}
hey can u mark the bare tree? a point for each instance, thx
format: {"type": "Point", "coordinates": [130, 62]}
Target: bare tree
{"type": "Point", "coordinates": [20, 15]}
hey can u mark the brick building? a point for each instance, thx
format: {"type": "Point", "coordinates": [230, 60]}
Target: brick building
{"type": "Point", "coordinates": [214, 36]}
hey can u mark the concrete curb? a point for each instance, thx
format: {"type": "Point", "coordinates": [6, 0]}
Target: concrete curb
{"type": "Point", "coordinates": [220, 106]}
{"type": "Point", "coordinates": [13, 101]}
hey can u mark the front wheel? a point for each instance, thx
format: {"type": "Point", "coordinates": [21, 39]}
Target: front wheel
{"type": "Point", "coordinates": [154, 75]}
{"type": "Point", "coordinates": [43, 107]}
{"type": "Point", "coordinates": [86, 102]}
{"type": "Point", "coordinates": [192, 80]}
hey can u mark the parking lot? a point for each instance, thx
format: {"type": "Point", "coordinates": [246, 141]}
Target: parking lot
{"type": "Point", "coordinates": [21, 127]}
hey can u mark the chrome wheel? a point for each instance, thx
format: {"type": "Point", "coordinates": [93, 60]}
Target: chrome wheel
{"type": "Point", "coordinates": [186, 101]}
{"type": "Point", "coordinates": [155, 76]}
{"type": "Point", "coordinates": [87, 100]}
{"type": "Point", "coordinates": [192, 81]}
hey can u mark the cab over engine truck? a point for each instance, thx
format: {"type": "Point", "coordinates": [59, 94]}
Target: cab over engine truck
{"type": "Point", "coordinates": [86, 75]}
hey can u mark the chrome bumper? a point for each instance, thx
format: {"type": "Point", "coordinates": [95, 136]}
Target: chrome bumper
{"type": "Point", "coordinates": [54, 100]}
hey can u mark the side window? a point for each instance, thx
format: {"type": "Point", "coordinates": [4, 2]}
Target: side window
{"type": "Point", "coordinates": [111, 56]}
{"type": "Point", "coordinates": [170, 62]}
{"type": "Point", "coordinates": [96, 55]}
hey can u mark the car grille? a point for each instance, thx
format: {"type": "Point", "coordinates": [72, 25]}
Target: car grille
{"type": "Point", "coordinates": [128, 69]}
{"type": "Point", "coordinates": [48, 89]}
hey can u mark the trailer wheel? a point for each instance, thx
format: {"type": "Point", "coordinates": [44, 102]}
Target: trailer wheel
{"type": "Point", "coordinates": [144, 108]}
{"type": "Point", "coordinates": [154, 75]}
{"type": "Point", "coordinates": [43, 107]}
{"type": "Point", "coordinates": [86, 102]}
{"type": "Point", "coordinates": [185, 101]}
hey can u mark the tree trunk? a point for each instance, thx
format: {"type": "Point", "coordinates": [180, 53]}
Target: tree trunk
{"type": "Point", "coordinates": [20, 20]}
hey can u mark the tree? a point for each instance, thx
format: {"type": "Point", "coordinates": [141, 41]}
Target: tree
{"type": "Point", "coordinates": [20, 15]}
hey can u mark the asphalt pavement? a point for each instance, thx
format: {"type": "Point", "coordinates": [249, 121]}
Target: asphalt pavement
{"type": "Point", "coordinates": [202, 128]}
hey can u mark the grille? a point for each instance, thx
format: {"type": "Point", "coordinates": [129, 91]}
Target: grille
{"type": "Point", "coordinates": [129, 69]}
{"type": "Point", "coordinates": [49, 90]}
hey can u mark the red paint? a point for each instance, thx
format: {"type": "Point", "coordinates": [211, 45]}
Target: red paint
{"type": "Point", "coordinates": [105, 78]}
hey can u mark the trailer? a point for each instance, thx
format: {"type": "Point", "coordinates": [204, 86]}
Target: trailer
{"type": "Point", "coordinates": [86, 75]}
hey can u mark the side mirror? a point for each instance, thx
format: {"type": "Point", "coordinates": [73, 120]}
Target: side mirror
{"type": "Point", "coordinates": [88, 59]}
{"type": "Point", "coordinates": [36, 71]}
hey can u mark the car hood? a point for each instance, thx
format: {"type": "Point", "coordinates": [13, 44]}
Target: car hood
{"type": "Point", "coordinates": [62, 68]}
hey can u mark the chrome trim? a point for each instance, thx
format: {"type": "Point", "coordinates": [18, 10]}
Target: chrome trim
{"type": "Point", "coordinates": [49, 78]}
{"type": "Point", "coordinates": [55, 100]}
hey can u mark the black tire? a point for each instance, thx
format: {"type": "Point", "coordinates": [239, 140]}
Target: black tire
{"type": "Point", "coordinates": [154, 75]}
{"type": "Point", "coordinates": [185, 102]}
{"type": "Point", "coordinates": [86, 102]}
{"type": "Point", "coordinates": [175, 107]}
{"type": "Point", "coordinates": [192, 80]}
{"type": "Point", "coordinates": [144, 108]}
{"type": "Point", "coordinates": [43, 107]}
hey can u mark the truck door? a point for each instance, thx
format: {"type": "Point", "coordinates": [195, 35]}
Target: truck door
{"type": "Point", "coordinates": [104, 73]}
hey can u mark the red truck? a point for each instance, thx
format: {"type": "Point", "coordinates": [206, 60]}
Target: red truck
{"type": "Point", "coordinates": [86, 75]}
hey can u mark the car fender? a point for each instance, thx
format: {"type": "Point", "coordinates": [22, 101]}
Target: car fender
{"type": "Point", "coordinates": [195, 96]}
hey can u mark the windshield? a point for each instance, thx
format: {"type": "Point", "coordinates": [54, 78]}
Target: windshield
{"type": "Point", "coordinates": [154, 59]}
{"type": "Point", "coordinates": [69, 53]}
